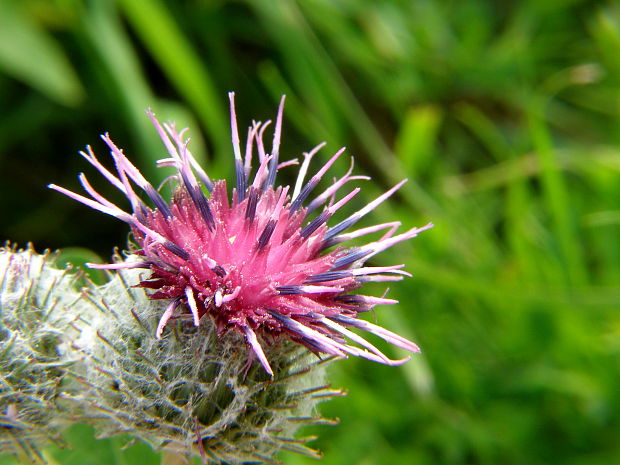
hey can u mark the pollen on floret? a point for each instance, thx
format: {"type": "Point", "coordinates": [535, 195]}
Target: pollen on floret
{"type": "Point", "coordinates": [252, 258]}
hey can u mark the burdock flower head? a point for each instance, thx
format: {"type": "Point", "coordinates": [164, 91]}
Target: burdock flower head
{"type": "Point", "coordinates": [259, 261]}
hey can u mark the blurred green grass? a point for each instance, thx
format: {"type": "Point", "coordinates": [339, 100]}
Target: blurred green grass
{"type": "Point", "coordinates": [503, 115]}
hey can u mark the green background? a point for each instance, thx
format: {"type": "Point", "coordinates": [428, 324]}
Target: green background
{"type": "Point", "coordinates": [505, 117]}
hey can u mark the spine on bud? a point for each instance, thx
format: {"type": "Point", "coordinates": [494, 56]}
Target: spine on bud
{"type": "Point", "coordinates": [33, 350]}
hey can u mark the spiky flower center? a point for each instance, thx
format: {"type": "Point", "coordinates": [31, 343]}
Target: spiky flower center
{"type": "Point", "coordinates": [255, 257]}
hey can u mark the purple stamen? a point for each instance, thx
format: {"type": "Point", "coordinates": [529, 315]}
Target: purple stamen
{"type": "Point", "coordinates": [351, 220]}
{"type": "Point", "coordinates": [308, 188]}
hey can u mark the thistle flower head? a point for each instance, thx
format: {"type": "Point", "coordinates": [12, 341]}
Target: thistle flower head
{"type": "Point", "coordinates": [257, 261]}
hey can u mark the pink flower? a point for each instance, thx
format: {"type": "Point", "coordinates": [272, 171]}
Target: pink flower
{"type": "Point", "coordinates": [255, 262]}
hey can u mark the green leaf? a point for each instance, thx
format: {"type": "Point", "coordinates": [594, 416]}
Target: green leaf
{"type": "Point", "coordinates": [30, 54]}
{"type": "Point", "coordinates": [417, 136]}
